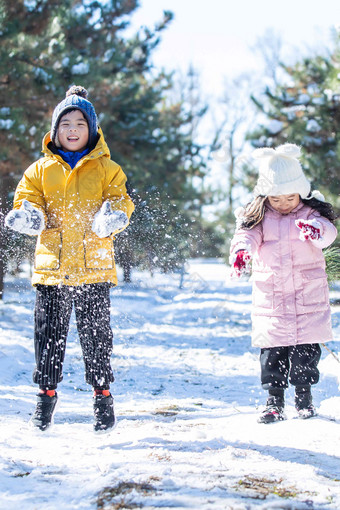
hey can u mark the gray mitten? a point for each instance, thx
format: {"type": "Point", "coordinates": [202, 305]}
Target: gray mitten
{"type": "Point", "coordinates": [107, 221]}
{"type": "Point", "coordinates": [26, 220]}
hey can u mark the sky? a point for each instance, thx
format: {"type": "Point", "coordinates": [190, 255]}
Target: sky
{"type": "Point", "coordinates": [217, 36]}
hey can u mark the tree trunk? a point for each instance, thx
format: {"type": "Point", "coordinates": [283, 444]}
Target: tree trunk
{"type": "Point", "coordinates": [126, 261]}
{"type": "Point", "coordinates": [127, 272]}
{"type": "Point", "coordinates": [2, 239]}
{"type": "Point", "coordinates": [6, 185]}
{"type": "Point", "coordinates": [2, 266]}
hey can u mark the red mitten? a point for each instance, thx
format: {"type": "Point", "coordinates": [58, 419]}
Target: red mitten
{"type": "Point", "coordinates": [241, 263]}
{"type": "Point", "coordinates": [310, 229]}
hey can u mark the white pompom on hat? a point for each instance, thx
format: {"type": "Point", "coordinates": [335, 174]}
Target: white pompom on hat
{"type": "Point", "coordinates": [280, 172]}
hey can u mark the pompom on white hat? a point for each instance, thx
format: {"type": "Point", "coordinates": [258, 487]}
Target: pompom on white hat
{"type": "Point", "coordinates": [280, 172]}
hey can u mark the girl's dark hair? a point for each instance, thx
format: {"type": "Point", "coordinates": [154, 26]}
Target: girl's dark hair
{"type": "Point", "coordinates": [324, 208]}
{"type": "Point", "coordinates": [254, 211]}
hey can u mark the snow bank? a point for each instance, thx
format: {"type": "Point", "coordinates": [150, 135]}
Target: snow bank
{"type": "Point", "coordinates": [187, 397]}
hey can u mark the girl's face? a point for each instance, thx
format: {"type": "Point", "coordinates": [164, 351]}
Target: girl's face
{"type": "Point", "coordinates": [73, 131]}
{"type": "Point", "coordinates": [284, 204]}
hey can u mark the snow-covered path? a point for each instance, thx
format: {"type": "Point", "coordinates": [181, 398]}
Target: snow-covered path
{"type": "Point", "coordinates": [187, 396]}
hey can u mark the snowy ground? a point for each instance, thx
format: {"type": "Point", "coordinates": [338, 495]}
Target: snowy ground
{"type": "Point", "coordinates": [187, 397]}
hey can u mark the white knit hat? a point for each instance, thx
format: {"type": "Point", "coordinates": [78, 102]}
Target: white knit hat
{"type": "Point", "coordinates": [280, 172]}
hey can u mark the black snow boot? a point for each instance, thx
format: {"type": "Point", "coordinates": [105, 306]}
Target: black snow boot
{"type": "Point", "coordinates": [43, 414]}
{"type": "Point", "coordinates": [104, 416]}
{"type": "Point", "coordinates": [274, 410]}
{"type": "Point", "coordinates": [304, 402]}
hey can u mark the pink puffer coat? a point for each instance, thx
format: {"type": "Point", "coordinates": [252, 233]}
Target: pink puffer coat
{"type": "Point", "coordinates": [290, 290]}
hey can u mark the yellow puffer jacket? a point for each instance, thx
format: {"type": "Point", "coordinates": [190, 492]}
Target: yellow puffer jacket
{"type": "Point", "coordinates": [67, 251]}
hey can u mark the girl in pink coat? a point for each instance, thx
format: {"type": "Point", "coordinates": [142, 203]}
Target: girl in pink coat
{"type": "Point", "coordinates": [282, 232]}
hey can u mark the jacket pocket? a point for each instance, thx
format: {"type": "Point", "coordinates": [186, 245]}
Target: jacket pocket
{"type": "Point", "coordinates": [48, 250]}
{"type": "Point", "coordinates": [263, 290]}
{"type": "Point", "coordinates": [314, 287]}
{"type": "Point", "coordinates": [98, 252]}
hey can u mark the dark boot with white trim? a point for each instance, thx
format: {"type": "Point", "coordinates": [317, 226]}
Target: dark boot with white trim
{"type": "Point", "coordinates": [274, 410]}
{"type": "Point", "coordinates": [44, 411]}
{"type": "Point", "coordinates": [304, 402]}
{"type": "Point", "coordinates": [104, 416]}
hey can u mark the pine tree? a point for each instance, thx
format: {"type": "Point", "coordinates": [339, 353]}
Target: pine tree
{"type": "Point", "coordinates": [305, 109]}
{"type": "Point", "coordinates": [48, 45]}
{"type": "Point", "coordinates": [164, 158]}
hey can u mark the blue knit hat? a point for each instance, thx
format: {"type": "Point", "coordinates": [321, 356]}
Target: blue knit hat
{"type": "Point", "coordinates": [76, 99]}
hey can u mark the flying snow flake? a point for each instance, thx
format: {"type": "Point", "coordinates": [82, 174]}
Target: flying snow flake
{"type": "Point", "coordinates": [32, 131]}
{"type": "Point", "coordinates": [5, 111]}
{"type": "Point", "coordinates": [102, 253]}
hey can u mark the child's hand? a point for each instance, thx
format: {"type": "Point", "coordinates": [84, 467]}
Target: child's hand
{"type": "Point", "coordinates": [310, 229]}
{"type": "Point", "coordinates": [26, 220]}
{"type": "Point", "coordinates": [241, 263]}
{"type": "Point", "coordinates": [107, 221]}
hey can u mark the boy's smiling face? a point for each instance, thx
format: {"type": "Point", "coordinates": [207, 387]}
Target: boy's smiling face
{"type": "Point", "coordinates": [73, 131]}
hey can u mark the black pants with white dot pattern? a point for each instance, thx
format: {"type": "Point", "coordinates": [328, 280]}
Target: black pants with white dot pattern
{"type": "Point", "coordinates": [52, 314]}
{"type": "Point", "coordinates": [296, 364]}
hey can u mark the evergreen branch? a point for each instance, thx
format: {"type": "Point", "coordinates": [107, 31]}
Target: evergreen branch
{"type": "Point", "coordinates": [332, 258]}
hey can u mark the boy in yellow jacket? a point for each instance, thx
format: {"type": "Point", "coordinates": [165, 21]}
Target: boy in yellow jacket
{"type": "Point", "coordinates": [75, 200]}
